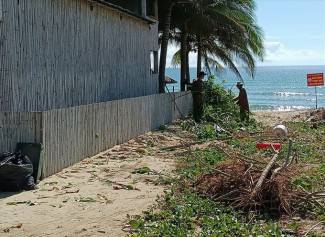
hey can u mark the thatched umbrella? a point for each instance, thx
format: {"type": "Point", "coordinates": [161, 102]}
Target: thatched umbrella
{"type": "Point", "coordinates": [169, 80]}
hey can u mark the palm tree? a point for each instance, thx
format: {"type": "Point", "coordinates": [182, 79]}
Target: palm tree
{"type": "Point", "coordinates": [240, 40]}
{"type": "Point", "coordinates": [165, 15]}
{"type": "Point", "coordinates": [165, 10]}
{"type": "Point", "coordinates": [222, 32]}
{"type": "Point", "coordinates": [225, 33]}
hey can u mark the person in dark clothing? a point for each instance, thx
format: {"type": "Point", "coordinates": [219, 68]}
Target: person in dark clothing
{"type": "Point", "coordinates": [197, 94]}
{"type": "Point", "coordinates": [242, 102]}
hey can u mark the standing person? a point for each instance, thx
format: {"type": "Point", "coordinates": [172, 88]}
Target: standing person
{"type": "Point", "coordinates": [242, 101]}
{"type": "Point", "coordinates": [197, 94]}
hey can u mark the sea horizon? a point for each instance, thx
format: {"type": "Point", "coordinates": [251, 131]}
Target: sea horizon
{"type": "Point", "coordinates": [274, 88]}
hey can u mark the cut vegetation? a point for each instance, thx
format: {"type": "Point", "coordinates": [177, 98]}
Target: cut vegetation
{"type": "Point", "coordinates": [226, 186]}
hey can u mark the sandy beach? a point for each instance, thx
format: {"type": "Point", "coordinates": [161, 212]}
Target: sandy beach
{"type": "Point", "coordinates": [94, 197]}
{"type": "Point", "coordinates": [272, 118]}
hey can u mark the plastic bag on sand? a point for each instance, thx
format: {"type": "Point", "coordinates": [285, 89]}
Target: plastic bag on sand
{"type": "Point", "coordinates": [15, 172]}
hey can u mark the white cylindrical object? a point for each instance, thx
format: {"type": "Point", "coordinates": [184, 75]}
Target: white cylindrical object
{"type": "Point", "coordinates": [280, 130]}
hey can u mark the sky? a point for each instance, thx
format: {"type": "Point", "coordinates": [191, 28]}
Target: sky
{"type": "Point", "coordinates": [294, 32]}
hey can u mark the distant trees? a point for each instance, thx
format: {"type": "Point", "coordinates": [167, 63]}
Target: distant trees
{"type": "Point", "coordinates": [221, 32]}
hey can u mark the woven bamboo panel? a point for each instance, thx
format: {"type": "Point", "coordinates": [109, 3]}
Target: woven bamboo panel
{"type": "Point", "coordinates": [73, 134]}
{"type": "Point", "coordinates": [19, 127]}
{"type": "Point", "coordinates": [65, 53]}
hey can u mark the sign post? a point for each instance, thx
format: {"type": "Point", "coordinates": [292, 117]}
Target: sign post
{"type": "Point", "coordinates": [315, 79]}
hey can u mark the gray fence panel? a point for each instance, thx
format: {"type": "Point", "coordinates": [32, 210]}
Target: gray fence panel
{"type": "Point", "coordinates": [19, 127]}
{"type": "Point", "coordinates": [70, 135]}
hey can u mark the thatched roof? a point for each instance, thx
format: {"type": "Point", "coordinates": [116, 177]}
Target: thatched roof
{"type": "Point", "coordinates": [169, 80]}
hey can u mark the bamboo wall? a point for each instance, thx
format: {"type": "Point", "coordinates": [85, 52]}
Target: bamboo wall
{"type": "Point", "coordinates": [19, 126]}
{"type": "Point", "coordinates": [72, 134]}
{"type": "Point", "coordinates": [65, 53]}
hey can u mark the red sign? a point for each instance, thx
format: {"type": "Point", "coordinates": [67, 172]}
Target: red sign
{"type": "Point", "coordinates": [315, 79]}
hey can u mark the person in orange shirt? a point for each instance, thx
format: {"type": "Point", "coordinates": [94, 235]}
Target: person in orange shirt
{"type": "Point", "coordinates": [242, 102]}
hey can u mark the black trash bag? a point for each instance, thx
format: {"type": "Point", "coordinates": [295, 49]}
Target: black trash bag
{"type": "Point", "coordinates": [16, 172]}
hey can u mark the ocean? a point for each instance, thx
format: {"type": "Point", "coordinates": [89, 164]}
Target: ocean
{"type": "Point", "coordinates": [274, 88]}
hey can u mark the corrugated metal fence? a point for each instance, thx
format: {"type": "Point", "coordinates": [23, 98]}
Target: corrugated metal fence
{"type": "Point", "coordinates": [72, 134]}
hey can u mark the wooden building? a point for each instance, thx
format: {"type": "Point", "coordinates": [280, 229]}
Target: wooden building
{"type": "Point", "coordinates": [80, 76]}
{"type": "Point", "coordinates": [65, 53]}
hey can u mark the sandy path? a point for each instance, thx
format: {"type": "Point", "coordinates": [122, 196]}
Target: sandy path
{"type": "Point", "coordinates": [59, 208]}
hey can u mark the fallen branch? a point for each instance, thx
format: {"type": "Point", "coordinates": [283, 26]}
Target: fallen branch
{"type": "Point", "coordinates": [308, 197]}
{"type": "Point", "coordinates": [214, 169]}
{"type": "Point", "coordinates": [286, 163]}
{"type": "Point", "coordinates": [314, 226]}
{"type": "Point", "coordinates": [243, 158]}
{"type": "Point", "coordinates": [184, 144]}
{"type": "Point", "coordinates": [265, 173]}
{"type": "Point", "coordinates": [226, 195]}
{"type": "Point", "coordinates": [251, 166]}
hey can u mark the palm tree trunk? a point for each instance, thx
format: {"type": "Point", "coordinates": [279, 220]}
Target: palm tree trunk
{"type": "Point", "coordinates": [183, 55]}
{"type": "Point", "coordinates": [199, 54]}
{"type": "Point", "coordinates": [163, 49]}
{"type": "Point", "coordinates": [188, 76]}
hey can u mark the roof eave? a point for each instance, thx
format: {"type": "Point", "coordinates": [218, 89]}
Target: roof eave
{"type": "Point", "coordinates": [112, 6]}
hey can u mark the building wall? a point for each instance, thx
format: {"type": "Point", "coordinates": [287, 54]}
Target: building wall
{"type": "Point", "coordinates": [64, 53]}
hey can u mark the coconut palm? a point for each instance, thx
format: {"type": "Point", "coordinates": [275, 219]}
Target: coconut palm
{"type": "Point", "coordinates": [225, 32]}
{"type": "Point", "coordinates": [237, 41]}
{"type": "Point", "coordinates": [222, 32]}
{"type": "Point", "coordinates": [165, 16]}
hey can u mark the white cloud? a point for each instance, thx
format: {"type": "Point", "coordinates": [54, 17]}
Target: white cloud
{"type": "Point", "coordinates": [294, 37]}
{"type": "Point", "coordinates": [278, 54]}
{"type": "Point", "coordinates": [172, 50]}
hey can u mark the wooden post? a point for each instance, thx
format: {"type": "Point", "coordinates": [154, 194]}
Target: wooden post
{"type": "Point", "coordinates": [316, 96]}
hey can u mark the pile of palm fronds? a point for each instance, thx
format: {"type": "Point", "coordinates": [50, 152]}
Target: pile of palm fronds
{"type": "Point", "coordinates": [258, 185]}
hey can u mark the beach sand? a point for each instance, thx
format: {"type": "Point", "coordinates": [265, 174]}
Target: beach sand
{"type": "Point", "coordinates": [94, 197]}
{"type": "Point", "coordinates": [272, 118]}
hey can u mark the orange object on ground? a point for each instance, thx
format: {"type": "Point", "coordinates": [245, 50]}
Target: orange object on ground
{"type": "Point", "coordinates": [263, 145]}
